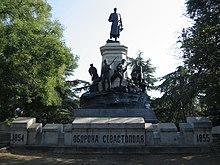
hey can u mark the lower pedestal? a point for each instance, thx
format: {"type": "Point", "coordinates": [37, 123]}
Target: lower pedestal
{"type": "Point", "coordinates": [148, 115]}
{"type": "Point", "coordinates": [107, 132]}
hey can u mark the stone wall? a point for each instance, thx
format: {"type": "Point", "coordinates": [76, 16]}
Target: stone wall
{"type": "Point", "coordinates": [112, 133]}
{"type": "Point", "coordinates": [216, 138]}
{"type": "Point", "coordinates": [5, 132]}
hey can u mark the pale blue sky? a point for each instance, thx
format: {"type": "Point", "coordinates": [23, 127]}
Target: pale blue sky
{"type": "Point", "coordinates": [151, 26]}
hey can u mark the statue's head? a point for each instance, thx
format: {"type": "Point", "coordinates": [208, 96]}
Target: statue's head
{"type": "Point", "coordinates": [123, 61]}
{"type": "Point", "coordinates": [105, 61]}
{"type": "Point", "coordinates": [138, 63]}
{"type": "Point", "coordinates": [91, 65]}
{"type": "Point", "coordinates": [115, 9]}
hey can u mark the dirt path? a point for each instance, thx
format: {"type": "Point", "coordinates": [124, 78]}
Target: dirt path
{"type": "Point", "coordinates": [28, 157]}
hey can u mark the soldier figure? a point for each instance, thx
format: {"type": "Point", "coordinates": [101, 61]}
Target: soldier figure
{"type": "Point", "coordinates": [119, 72]}
{"type": "Point", "coordinates": [93, 72]}
{"type": "Point", "coordinates": [105, 75]}
{"type": "Point", "coordinates": [136, 74]}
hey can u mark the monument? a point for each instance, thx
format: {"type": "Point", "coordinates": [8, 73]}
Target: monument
{"type": "Point", "coordinates": [111, 113]}
{"type": "Point", "coordinates": [113, 94]}
{"type": "Point", "coordinates": [115, 116]}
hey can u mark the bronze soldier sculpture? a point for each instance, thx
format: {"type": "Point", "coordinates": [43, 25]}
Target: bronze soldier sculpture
{"type": "Point", "coordinates": [93, 72]}
{"type": "Point", "coordinates": [119, 72]}
{"type": "Point", "coordinates": [136, 74]}
{"type": "Point", "coordinates": [105, 75]}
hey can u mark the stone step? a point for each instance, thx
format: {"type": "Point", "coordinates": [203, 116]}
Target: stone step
{"type": "Point", "coordinates": [147, 114]}
{"type": "Point", "coordinates": [120, 150]}
{"type": "Point", "coordinates": [216, 142]}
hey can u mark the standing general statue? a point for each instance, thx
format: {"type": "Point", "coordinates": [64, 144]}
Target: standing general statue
{"type": "Point", "coordinates": [116, 27]}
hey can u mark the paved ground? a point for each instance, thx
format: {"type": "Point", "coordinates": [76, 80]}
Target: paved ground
{"type": "Point", "coordinates": [27, 157]}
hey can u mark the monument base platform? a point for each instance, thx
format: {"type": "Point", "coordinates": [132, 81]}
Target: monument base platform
{"type": "Point", "coordinates": [115, 135]}
{"type": "Point", "coordinates": [148, 115]}
{"type": "Point", "coordinates": [115, 104]}
{"type": "Point", "coordinates": [128, 150]}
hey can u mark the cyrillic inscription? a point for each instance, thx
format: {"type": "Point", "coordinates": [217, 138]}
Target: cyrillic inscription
{"type": "Point", "coordinates": [109, 139]}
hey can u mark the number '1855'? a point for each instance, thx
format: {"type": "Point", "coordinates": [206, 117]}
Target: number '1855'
{"type": "Point", "coordinates": [203, 138]}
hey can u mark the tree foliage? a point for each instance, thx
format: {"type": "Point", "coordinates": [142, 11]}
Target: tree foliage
{"type": "Point", "coordinates": [201, 57]}
{"type": "Point", "coordinates": [179, 97]}
{"type": "Point", "coordinates": [201, 47]}
{"type": "Point", "coordinates": [34, 60]}
{"type": "Point", "coordinates": [147, 69]}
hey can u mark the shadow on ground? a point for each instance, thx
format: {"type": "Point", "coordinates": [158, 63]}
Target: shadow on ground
{"type": "Point", "coordinates": [23, 156]}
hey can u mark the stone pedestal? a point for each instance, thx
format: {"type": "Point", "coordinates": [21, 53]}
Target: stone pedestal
{"type": "Point", "coordinates": [147, 114]}
{"type": "Point", "coordinates": [51, 133]}
{"type": "Point", "coordinates": [68, 135]}
{"type": "Point", "coordinates": [201, 129]}
{"type": "Point", "coordinates": [5, 134]}
{"type": "Point", "coordinates": [149, 134]}
{"type": "Point", "coordinates": [187, 131]}
{"type": "Point", "coordinates": [33, 131]}
{"type": "Point", "coordinates": [113, 51]}
{"type": "Point", "coordinates": [107, 132]}
{"type": "Point", "coordinates": [115, 104]}
{"type": "Point", "coordinates": [168, 133]}
{"type": "Point", "coordinates": [216, 138]}
{"type": "Point", "coordinates": [19, 127]}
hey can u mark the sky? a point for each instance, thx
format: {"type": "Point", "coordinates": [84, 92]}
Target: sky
{"type": "Point", "coordinates": [150, 26]}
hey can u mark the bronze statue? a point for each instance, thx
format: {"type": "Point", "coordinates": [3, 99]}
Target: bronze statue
{"type": "Point", "coordinates": [93, 72]}
{"type": "Point", "coordinates": [105, 75]}
{"type": "Point", "coordinates": [119, 72]}
{"type": "Point", "coordinates": [136, 74]}
{"type": "Point", "coordinates": [116, 27]}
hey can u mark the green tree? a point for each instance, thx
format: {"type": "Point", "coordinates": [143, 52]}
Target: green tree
{"type": "Point", "coordinates": [194, 89]}
{"type": "Point", "coordinates": [34, 60]}
{"type": "Point", "coordinates": [179, 98]}
{"type": "Point", "coordinates": [147, 69]}
{"type": "Point", "coordinates": [201, 53]}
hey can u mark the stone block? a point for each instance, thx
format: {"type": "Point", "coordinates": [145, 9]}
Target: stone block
{"type": "Point", "coordinates": [201, 130]}
{"type": "Point", "coordinates": [22, 123]}
{"type": "Point", "coordinates": [33, 131]}
{"type": "Point", "coordinates": [199, 122]}
{"type": "Point", "coordinates": [216, 137]}
{"type": "Point", "coordinates": [180, 138]}
{"type": "Point", "coordinates": [107, 132]}
{"type": "Point", "coordinates": [187, 130]}
{"type": "Point", "coordinates": [116, 52]}
{"type": "Point", "coordinates": [5, 134]}
{"type": "Point", "coordinates": [148, 115]}
{"type": "Point", "coordinates": [149, 134]}
{"type": "Point", "coordinates": [18, 137]}
{"type": "Point", "coordinates": [216, 130]}
{"type": "Point", "coordinates": [98, 123]}
{"type": "Point", "coordinates": [156, 138]}
{"type": "Point", "coordinates": [167, 127]}
{"type": "Point", "coordinates": [202, 137]}
{"type": "Point", "coordinates": [51, 133]}
{"type": "Point", "coordinates": [155, 127]}
{"type": "Point", "coordinates": [112, 50]}
{"type": "Point", "coordinates": [68, 134]}
{"type": "Point", "coordinates": [185, 127]}
{"type": "Point", "coordinates": [108, 137]}
{"type": "Point", "coordinates": [168, 133]}
{"type": "Point", "coordinates": [19, 130]}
